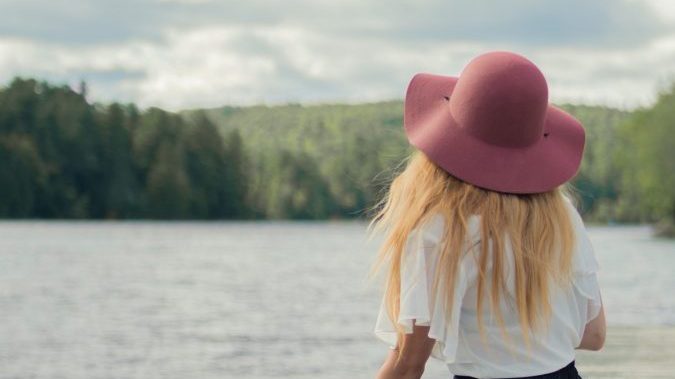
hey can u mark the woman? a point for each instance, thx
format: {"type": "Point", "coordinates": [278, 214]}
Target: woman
{"type": "Point", "coordinates": [488, 264]}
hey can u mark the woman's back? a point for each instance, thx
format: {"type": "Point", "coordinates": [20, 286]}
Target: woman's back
{"type": "Point", "coordinates": [480, 234]}
{"type": "Point", "coordinates": [503, 352]}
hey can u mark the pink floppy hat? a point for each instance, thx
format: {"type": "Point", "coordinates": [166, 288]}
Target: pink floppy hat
{"type": "Point", "coordinates": [493, 126]}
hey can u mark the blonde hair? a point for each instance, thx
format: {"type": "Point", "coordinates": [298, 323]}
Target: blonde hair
{"type": "Point", "coordinates": [538, 227]}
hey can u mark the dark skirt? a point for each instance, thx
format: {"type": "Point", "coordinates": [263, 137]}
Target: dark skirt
{"type": "Point", "coordinates": [567, 372]}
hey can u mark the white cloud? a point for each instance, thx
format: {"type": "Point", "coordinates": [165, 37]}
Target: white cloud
{"type": "Point", "coordinates": [299, 57]}
{"type": "Point", "coordinates": [665, 9]}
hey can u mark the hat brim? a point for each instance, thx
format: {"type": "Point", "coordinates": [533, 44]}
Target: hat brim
{"type": "Point", "coordinates": [540, 167]}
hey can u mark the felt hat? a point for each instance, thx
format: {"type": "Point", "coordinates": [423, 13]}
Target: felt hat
{"type": "Point", "coordinates": [493, 127]}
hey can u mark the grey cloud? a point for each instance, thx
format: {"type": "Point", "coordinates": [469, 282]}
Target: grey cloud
{"type": "Point", "coordinates": [289, 81]}
{"type": "Point", "coordinates": [99, 76]}
{"type": "Point", "coordinates": [108, 76]}
{"type": "Point", "coordinates": [599, 23]}
{"type": "Point", "coordinates": [77, 22]}
{"type": "Point", "coordinates": [325, 50]}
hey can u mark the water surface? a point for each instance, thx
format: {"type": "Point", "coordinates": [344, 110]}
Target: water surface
{"type": "Point", "coordinates": [89, 300]}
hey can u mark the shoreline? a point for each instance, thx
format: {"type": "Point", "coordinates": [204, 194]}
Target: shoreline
{"type": "Point", "coordinates": [631, 352]}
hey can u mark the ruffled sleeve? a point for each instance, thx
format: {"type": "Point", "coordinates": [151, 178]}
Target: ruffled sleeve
{"type": "Point", "coordinates": [420, 257]}
{"type": "Point", "coordinates": [585, 270]}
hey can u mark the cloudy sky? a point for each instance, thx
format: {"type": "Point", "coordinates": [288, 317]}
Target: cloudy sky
{"type": "Point", "coordinates": [202, 53]}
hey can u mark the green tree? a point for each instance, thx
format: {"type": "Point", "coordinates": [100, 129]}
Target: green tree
{"type": "Point", "coordinates": [21, 174]}
{"type": "Point", "coordinates": [235, 177]}
{"type": "Point", "coordinates": [119, 184]}
{"type": "Point", "coordinates": [168, 185]}
{"type": "Point", "coordinates": [297, 189]}
{"type": "Point", "coordinates": [205, 165]}
{"type": "Point", "coordinates": [647, 159]}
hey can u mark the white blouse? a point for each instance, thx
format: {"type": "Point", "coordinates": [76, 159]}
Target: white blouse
{"type": "Point", "coordinates": [457, 337]}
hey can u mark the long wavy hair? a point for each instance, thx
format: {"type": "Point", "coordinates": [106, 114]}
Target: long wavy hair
{"type": "Point", "coordinates": [538, 226]}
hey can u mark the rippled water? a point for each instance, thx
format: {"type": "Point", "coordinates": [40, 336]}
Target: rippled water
{"type": "Point", "coordinates": [248, 299]}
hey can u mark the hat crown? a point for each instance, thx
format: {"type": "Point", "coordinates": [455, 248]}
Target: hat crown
{"type": "Point", "coordinates": [501, 98]}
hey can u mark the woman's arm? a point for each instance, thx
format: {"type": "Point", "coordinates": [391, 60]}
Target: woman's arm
{"type": "Point", "coordinates": [416, 351]}
{"type": "Point", "coordinates": [594, 333]}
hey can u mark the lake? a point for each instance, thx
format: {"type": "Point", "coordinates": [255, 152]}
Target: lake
{"type": "Point", "coordinates": [90, 300]}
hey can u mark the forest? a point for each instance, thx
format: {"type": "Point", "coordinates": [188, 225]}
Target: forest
{"type": "Point", "coordinates": [62, 156]}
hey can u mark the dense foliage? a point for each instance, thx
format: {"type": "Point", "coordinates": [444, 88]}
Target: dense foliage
{"type": "Point", "coordinates": [646, 153]}
{"type": "Point", "coordinates": [61, 156]}
{"type": "Point", "coordinates": [357, 148]}
{"type": "Point", "coordinates": [325, 161]}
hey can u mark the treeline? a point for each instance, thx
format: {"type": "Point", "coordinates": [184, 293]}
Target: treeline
{"type": "Point", "coordinates": [63, 157]}
{"type": "Point", "coordinates": [645, 154]}
{"type": "Point", "coordinates": [324, 161]}
{"type": "Point", "coordinates": [627, 175]}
